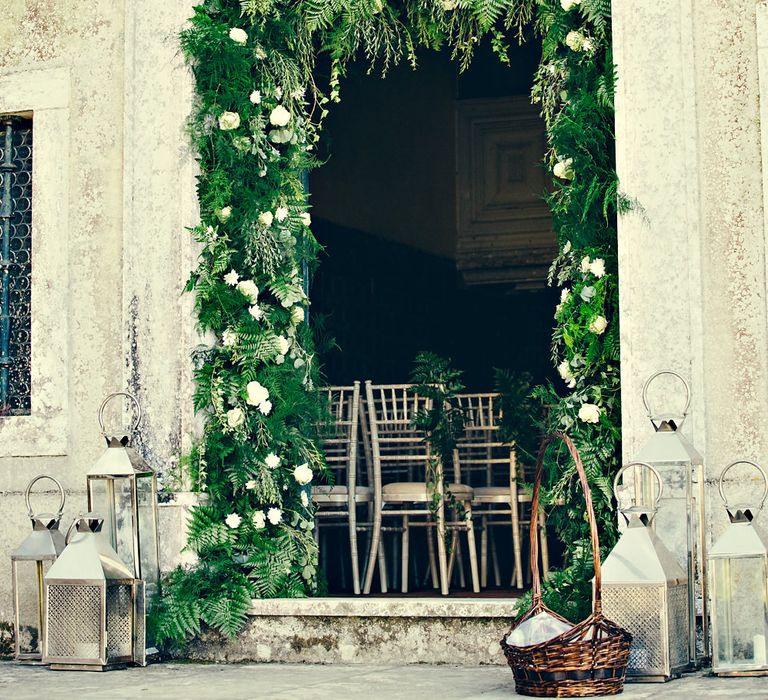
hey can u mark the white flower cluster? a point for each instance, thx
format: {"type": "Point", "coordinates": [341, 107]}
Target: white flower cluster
{"type": "Point", "coordinates": [258, 395]}
{"type": "Point", "coordinates": [576, 41]}
{"type": "Point", "coordinates": [564, 169]}
{"type": "Point", "coordinates": [596, 266]}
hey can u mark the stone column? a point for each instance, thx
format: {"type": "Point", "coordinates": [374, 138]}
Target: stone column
{"type": "Point", "coordinates": [692, 258]}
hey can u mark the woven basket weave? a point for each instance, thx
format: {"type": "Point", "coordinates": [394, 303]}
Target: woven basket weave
{"type": "Point", "coordinates": [591, 657]}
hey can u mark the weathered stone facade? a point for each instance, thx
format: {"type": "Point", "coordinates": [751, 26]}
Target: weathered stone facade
{"type": "Point", "coordinates": [114, 189]}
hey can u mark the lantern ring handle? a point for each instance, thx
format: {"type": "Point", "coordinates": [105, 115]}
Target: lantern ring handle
{"type": "Point", "coordinates": [721, 482]}
{"type": "Point", "coordinates": [647, 466]}
{"type": "Point", "coordinates": [673, 374]}
{"type": "Point", "coordinates": [115, 395]}
{"type": "Point", "coordinates": [29, 490]}
{"type": "Point", "coordinates": [72, 527]}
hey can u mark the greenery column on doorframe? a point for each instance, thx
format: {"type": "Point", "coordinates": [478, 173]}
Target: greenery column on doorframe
{"type": "Point", "coordinates": [256, 121]}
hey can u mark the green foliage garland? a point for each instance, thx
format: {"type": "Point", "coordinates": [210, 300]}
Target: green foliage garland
{"type": "Point", "coordinates": [257, 118]}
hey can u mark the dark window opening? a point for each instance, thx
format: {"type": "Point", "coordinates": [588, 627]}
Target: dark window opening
{"type": "Point", "coordinates": [15, 266]}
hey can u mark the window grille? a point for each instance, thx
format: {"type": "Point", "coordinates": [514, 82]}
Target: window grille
{"type": "Point", "coordinates": [15, 265]}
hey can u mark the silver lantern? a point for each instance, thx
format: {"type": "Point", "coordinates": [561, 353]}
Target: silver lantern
{"type": "Point", "coordinates": [95, 607]}
{"type": "Point", "coordinates": [645, 590]}
{"type": "Point", "coordinates": [680, 520]}
{"type": "Point", "coordinates": [29, 562]}
{"type": "Point", "coordinates": [123, 487]}
{"type": "Point", "coordinates": [739, 589]}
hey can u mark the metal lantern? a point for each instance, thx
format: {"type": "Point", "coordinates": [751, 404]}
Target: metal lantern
{"type": "Point", "coordinates": [645, 590]}
{"type": "Point", "coordinates": [680, 520]}
{"type": "Point", "coordinates": [123, 487]}
{"type": "Point", "coordinates": [739, 590]}
{"type": "Point", "coordinates": [95, 608]}
{"type": "Point", "coordinates": [29, 562]}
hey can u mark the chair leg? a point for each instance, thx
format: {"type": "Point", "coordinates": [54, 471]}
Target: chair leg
{"type": "Point", "coordinates": [495, 560]}
{"type": "Point", "coordinates": [484, 551]}
{"type": "Point", "coordinates": [383, 566]}
{"type": "Point", "coordinates": [352, 522]}
{"type": "Point", "coordinates": [452, 554]}
{"type": "Point", "coordinates": [405, 554]}
{"type": "Point", "coordinates": [442, 556]}
{"type": "Point", "coordinates": [431, 555]}
{"type": "Point", "coordinates": [517, 550]}
{"type": "Point", "coordinates": [472, 550]}
{"type": "Point", "coordinates": [373, 552]}
{"type": "Point", "coordinates": [544, 546]}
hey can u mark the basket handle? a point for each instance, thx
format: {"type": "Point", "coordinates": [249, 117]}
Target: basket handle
{"type": "Point", "coordinates": [534, 534]}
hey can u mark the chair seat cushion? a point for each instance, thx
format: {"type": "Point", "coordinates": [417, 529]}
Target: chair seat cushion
{"type": "Point", "coordinates": [417, 491]}
{"type": "Point", "coordinates": [498, 494]}
{"type": "Point", "coordinates": [338, 494]}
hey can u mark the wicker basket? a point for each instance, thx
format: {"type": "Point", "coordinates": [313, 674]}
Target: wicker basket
{"type": "Point", "coordinates": [591, 657]}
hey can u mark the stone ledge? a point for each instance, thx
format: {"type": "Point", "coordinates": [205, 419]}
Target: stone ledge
{"type": "Point", "coordinates": [376, 631]}
{"type": "Point", "coordinates": [391, 606]}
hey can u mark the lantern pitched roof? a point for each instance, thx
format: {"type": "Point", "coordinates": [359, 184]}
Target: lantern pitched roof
{"type": "Point", "coordinates": [640, 557]}
{"type": "Point", "coordinates": [120, 459]}
{"type": "Point", "coordinates": [40, 544]}
{"type": "Point", "coordinates": [739, 540]}
{"type": "Point", "coordinates": [88, 557]}
{"type": "Point", "coordinates": [668, 446]}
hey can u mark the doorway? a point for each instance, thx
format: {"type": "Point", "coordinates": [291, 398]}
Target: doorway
{"type": "Point", "coordinates": [435, 233]}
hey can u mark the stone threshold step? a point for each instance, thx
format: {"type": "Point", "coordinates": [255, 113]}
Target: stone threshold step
{"type": "Point", "coordinates": [374, 631]}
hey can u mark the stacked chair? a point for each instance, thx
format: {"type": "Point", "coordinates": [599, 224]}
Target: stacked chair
{"type": "Point", "coordinates": [387, 481]}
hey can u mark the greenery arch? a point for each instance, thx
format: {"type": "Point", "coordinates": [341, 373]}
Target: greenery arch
{"type": "Point", "coordinates": [256, 119]}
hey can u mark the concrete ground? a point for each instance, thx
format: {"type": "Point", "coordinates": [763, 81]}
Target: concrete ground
{"type": "Point", "coordinates": [275, 681]}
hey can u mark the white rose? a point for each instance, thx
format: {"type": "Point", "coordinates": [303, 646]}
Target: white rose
{"type": "Point", "coordinates": [250, 485]}
{"type": "Point", "coordinates": [228, 338]}
{"type": "Point", "coordinates": [255, 97]}
{"type": "Point", "coordinates": [567, 248]}
{"type": "Point", "coordinates": [233, 520]}
{"type": "Point", "coordinates": [598, 325]}
{"type": "Point", "coordinates": [256, 393]}
{"type": "Point", "coordinates": [280, 359]}
{"type": "Point", "coordinates": [564, 169]}
{"type": "Point", "coordinates": [259, 520]}
{"type": "Point", "coordinates": [266, 218]}
{"type": "Point", "coordinates": [279, 116]}
{"type": "Point", "coordinates": [239, 36]}
{"type": "Point", "coordinates": [568, 5]}
{"type": "Point", "coordinates": [231, 278]}
{"type": "Point", "coordinates": [304, 499]}
{"type": "Point", "coordinates": [224, 213]}
{"type": "Point", "coordinates": [564, 294]}
{"type": "Point", "coordinates": [249, 290]}
{"type": "Point", "coordinates": [265, 407]}
{"type": "Point", "coordinates": [597, 267]}
{"type": "Point", "coordinates": [302, 474]}
{"type": "Point", "coordinates": [272, 460]}
{"type": "Point", "coordinates": [589, 413]}
{"type": "Point", "coordinates": [282, 344]}
{"type": "Point", "coordinates": [587, 45]}
{"type": "Point", "coordinates": [235, 417]}
{"type": "Point", "coordinates": [574, 40]}
{"type": "Point", "coordinates": [281, 213]}
{"type": "Point", "coordinates": [564, 370]}
{"type": "Point", "coordinates": [297, 314]}
{"type": "Point", "coordinates": [259, 53]}
{"type": "Point", "coordinates": [306, 219]}
{"type": "Point", "coordinates": [274, 515]}
{"type": "Point", "coordinates": [585, 264]}
{"type": "Point", "coordinates": [242, 143]}
{"type": "Point", "coordinates": [229, 121]}
{"type": "Point", "coordinates": [255, 311]}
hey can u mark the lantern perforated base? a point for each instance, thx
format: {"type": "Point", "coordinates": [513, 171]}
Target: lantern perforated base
{"type": "Point", "coordinates": [87, 667]}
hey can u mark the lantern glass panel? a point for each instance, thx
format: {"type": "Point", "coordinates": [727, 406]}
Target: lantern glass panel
{"type": "Point", "coordinates": [28, 583]}
{"type": "Point", "coordinates": [146, 501]}
{"type": "Point", "coordinates": [741, 612]}
{"type": "Point", "coordinates": [112, 498]}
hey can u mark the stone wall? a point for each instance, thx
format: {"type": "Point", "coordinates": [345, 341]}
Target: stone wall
{"type": "Point", "coordinates": [113, 189]}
